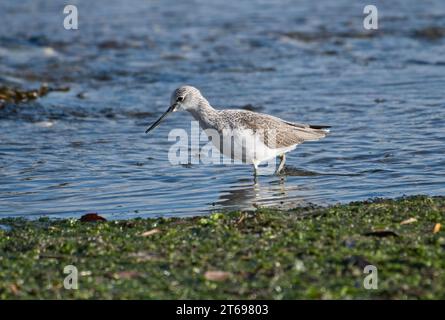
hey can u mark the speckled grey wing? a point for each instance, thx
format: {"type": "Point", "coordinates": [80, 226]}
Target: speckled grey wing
{"type": "Point", "coordinates": [275, 132]}
{"type": "Point", "coordinates": [296, 133]}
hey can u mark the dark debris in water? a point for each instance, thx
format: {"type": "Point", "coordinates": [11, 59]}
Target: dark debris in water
{"type": "Point", "coordinates": [138, 114]}
{"type": "Point", "coordinates": [323, 35]}
{"type": "Point", "coordinates": [16, 95]}
{"type": "Point", "coordinates": [430, 33]}
{"type": "Point", "coordinates": [292, 171]}
{"type": "Point", "coordinates": [427, 33]}
{"type": "Point", "coordinates": [35, 111]}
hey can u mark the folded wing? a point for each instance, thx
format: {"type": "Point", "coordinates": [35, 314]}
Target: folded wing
{"type": "Point", "coordinates": [278, 133]}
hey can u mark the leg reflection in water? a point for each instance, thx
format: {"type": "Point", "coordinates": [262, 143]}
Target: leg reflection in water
{"type": "Point", "coordinates": [248, 193]}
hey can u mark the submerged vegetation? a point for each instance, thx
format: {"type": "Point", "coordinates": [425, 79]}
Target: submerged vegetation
{"type": "Point", "coordinates": [303, 253]}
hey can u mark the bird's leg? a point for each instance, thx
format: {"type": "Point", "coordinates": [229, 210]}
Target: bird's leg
{"type": "Point", "coordinates": [255, 168]}
{"type": "Point", "coordinates": [282, 161]}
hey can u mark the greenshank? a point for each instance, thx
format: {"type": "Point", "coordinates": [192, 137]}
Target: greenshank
{"type": "Point", "coordinates": [258, 137]}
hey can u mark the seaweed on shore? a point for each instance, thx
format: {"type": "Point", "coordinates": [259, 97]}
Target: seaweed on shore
{"type": "Point", "coordinates": [310, 253]}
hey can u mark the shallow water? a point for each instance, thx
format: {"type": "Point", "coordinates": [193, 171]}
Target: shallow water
{"type": "Point", "coordinates": [85, 150]}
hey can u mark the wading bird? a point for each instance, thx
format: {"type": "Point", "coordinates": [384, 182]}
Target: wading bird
{"type": "Point", "coordinates": [244, 135]}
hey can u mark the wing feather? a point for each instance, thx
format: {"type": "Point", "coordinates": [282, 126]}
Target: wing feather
{"type": "Point", "coordinates": [275, 132]}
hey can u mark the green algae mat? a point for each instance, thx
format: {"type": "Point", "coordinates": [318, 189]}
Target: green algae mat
{"type": "Point", "coordinates": [380, 249]}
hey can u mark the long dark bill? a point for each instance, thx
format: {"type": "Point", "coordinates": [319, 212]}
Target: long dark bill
{"type": "Point", "coordinates": [154, 125]}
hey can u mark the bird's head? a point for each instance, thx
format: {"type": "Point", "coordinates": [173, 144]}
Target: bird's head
{"type": "Point", "coordinates": [183, 98]}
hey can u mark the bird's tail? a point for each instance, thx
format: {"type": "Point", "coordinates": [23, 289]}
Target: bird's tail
{"type": "Point", "coordinates": [320, 127]}
{"type": "Point", "coordinates": [308, 132]}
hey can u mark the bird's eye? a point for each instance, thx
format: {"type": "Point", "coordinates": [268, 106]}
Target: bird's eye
{"type": "Point", "coordinates": [180, 99]}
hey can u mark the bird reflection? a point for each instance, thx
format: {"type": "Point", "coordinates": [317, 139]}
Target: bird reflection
{"type": "Point", "coordinates": [250, 193]}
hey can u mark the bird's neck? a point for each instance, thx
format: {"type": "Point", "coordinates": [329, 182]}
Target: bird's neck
{"type": "Point", "coordinates": [204, 113]}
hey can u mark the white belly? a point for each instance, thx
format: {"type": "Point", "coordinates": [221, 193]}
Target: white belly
{"type": "Point", "coordinates": [245, 146]}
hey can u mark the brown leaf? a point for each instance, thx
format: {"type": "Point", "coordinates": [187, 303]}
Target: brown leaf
{"type": "Point", "coordinates": [150, 232]}
{"type": "Point", "coordinates": [14, 289]}
{"type": "Point", "coordinates": [217, 275]}
{"type": "Point", "coordinates": [408, 221]}
{"type": "Point", "coordinates": [381, 233]}
{"type": "Point", "coordinates": [91, 217]}
{"type": "Point", "coordinates": [436, 228]}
